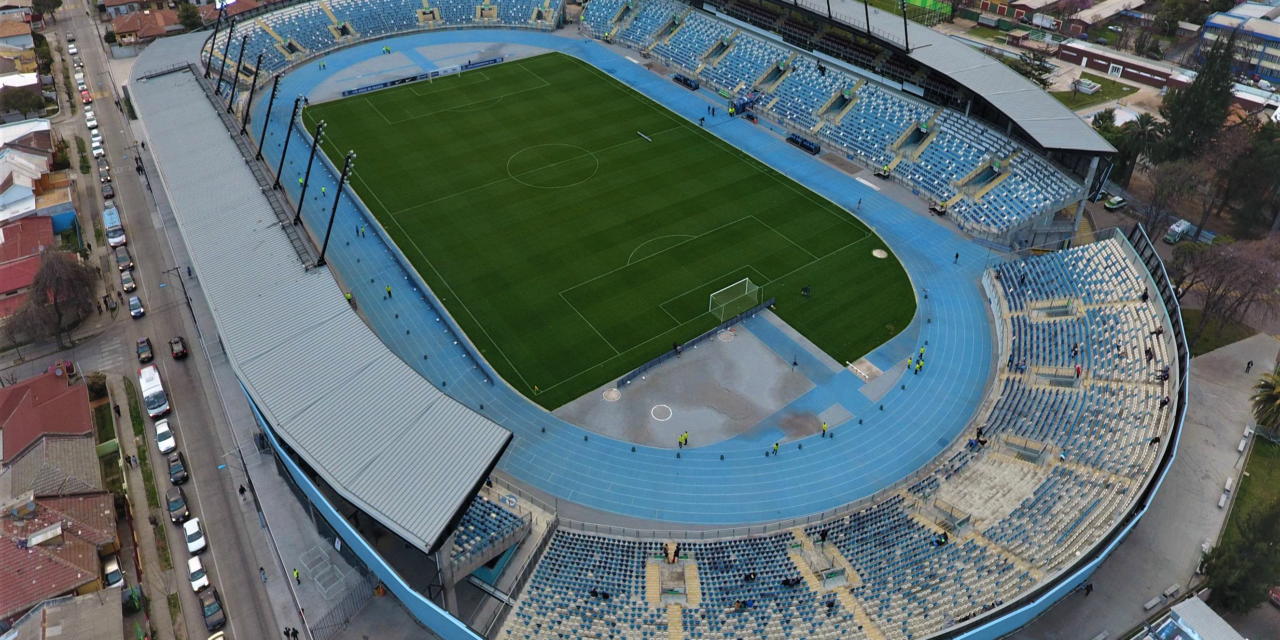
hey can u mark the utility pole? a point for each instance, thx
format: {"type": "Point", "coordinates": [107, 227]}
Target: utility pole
{"type": "Point", "coordinates": [262, 139]}
{"type": "Point", "coordinates": [346, 170]}
{"type": "Point", "coordinates": [244, 118]}
{"type": "Point", "coordinates": [235, 74]}
{"type": "Point", "coordinates": [293, 118]}
{"type": "Point", "coordinates": [306, 180]}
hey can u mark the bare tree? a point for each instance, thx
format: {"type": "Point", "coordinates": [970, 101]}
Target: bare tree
{"type": "Point", "coordinates": [1217, 159]}
{"type": "Point", "coordinates": [1172, 183]}
{"type": "Point", "coordinates": [63, 288]}
{"type": "Point", "coordinates": [1233, 278]}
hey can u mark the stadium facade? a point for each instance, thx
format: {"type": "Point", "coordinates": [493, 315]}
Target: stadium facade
{"type": "Point", "coordinates": [363, 433]}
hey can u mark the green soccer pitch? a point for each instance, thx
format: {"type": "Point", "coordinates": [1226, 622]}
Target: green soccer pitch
{"type": "Point", "coordinates": [571, 249]}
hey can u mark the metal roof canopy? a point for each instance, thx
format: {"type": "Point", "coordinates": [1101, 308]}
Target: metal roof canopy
{"type": "Point", "coordinates": [377, 432]}
{"type": "Point", "coordinates": [1050, 123]}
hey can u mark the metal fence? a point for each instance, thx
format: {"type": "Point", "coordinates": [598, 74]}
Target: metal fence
{"type": "Point", "coordinates": [337, 619]}
{"type": "Point", "coordinates": [709, 335]}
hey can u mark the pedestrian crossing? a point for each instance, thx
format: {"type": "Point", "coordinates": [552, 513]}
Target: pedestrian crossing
{"type": "Point", "coordinates": [109, 355]}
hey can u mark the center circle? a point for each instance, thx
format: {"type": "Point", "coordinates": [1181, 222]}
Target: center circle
{"type": "Point", "coordinates": [661, 412]}
{"type": "Point", "coordinates": [552, 166]}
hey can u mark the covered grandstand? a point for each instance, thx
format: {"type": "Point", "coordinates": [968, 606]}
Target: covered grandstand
{"type": "Point", "coordinates": [1069, 460]}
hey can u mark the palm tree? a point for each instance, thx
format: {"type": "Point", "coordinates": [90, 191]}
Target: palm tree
{"type": "Point", "coordinates": [1266, 403]}
{"type": "Point", "coordinates": [1138, 137]}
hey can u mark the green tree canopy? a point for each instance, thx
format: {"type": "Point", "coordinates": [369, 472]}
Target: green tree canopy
{"type": "Point", "coordinates": [189, 16]}
{"type": "Point", "coordinates": [1198, 111]}
{"type": "Point", "coordinates": [1242, 569]}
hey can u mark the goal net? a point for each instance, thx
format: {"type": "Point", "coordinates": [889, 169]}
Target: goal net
{"type": "Point", "coordinates": [734, 299]}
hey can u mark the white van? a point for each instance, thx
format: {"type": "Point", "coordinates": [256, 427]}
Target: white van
{"type": "Point", "coordinates": [153, 395]}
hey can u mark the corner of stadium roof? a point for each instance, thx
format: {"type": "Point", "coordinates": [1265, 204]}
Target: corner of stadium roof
{"type": "Point", "coordinates": [381, 436]}
{"type": "Point", "coordinates": [1045, 120]}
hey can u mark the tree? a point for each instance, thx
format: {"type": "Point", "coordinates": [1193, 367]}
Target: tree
{"type": "Point", "coordinates": [1136, 139]}
{"type": "Point", "coordinates": [1218, 157]}
{"type": "Point", "coordinates": [47, 8]}
{"type": "Point", "coordinates": [1033, 66]}
{"type": "Point", "coordinates": [1233, 279]}
{"type": "Point", "coordinates": [1196, 112]}
{"type": "Point", "coordinates": [62, 288]}
{"type": "Point", "coordinates": [1242, 569]}
{"type": "Point", "coordinates": [1171, 184]}
{"type": "Point", "coordinates": [21, 100]}
{"type": "Point", "coordinates": [1255, 188]}
{"type": "Point", "coordinates": [189, 16]}
{"type": "Point", "coordinates": [1266, 404]}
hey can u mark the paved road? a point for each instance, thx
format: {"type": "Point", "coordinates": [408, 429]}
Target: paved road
{"type": "Point", "coordinates": [233, 531]}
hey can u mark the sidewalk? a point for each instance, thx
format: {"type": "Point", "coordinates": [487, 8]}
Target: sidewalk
{"type": "Point", "coordinates": [157, 583]}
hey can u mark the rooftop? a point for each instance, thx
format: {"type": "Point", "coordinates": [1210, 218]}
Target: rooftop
{"type": "Point", "coordinates": [40, 406]}
{"type": "Point", "coordinates": [151, 23]}
{"type": "Point", "coordinates": [94, 616]}
{"type": "Point", "coordinates": [61, 564]}
{"type": "Point", "coordinates": [26, 237]}
{"type": "Point", "coordinates": [1106, 9]}
{"type": "Point", "coordinates": [10, 28]}
{"type": "Point", "coordinates": [55, 466]}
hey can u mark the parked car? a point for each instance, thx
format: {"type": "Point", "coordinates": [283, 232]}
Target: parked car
{"type": "Point", "coordinates": [71, 49]}
{"type": "Point", "coordinates": [108, 191]}
{"type": "Point", "coordinates": [135, 307]}
{"type": "Point", "coordinates": [97, 148]}
{"type": "Point", "coordinates": [1115, 203]}
{"type": "Point", "coordinates": [196, 574]}
{"type": "Point", "coordinates": [123, 261]}
{"type": "Point", "coordinates": [86, 97]}
{"type": "Point", "coordinates": [91, 121]}
{"type": "Point", "coordinates": [144, 350]}
{"type": "Point", "coordinates": [112, 575]}
{"type": "Point", "coordinates": [103, 167]}
{"type": "Point", "coordinates": [177, 468]}
{"type": "Point", "coordinates": [95, 137]}
{"type": "Point", "coordinates": [164, 437]}
{"type": "Point", "coordinates": [104, 176]}
{"type": "Point", "coordinates": [178, 347]}
{"type": "Point", "coordinates": [177, 502]}
{"type": "Point", "coordinates": [211, 606]}
{"type": "Point", "coordinates": [1274, 596]}
{"type": "Point", "coordinates": [71, 37]}
{"type": "Point", "coordinates": [78, 62]}
{"type": "Point", "coordinates": [126, 281]}
{"type": "Point", "coordinates": [88, 113]}
{"type": "Point", "coordinates": [195, 536]}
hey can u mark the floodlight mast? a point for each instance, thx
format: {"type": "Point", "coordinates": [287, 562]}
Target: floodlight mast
{"type": "Point", "coordinates": [275, 86]}
{"type": "Point", "coordinates": [244, 118]}
{"type": "Point", "coordinates": [235, 74]}
{"type": "Point", "coordinates": [306, 180]}
{"type": "Point", "coordinates": [293, 118]}
{"type": "Point", "coordinates": [346, 170]}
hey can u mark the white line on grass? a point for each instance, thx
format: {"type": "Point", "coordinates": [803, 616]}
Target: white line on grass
{"type": "Point", "coordinates": [674, 235]}
{"type": "Point", "coordinates": [544, 85]}
{"type": "Point", "coordinates": [593, 327]}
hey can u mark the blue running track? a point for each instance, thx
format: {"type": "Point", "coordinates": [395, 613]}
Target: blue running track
{"type": "Point", "coordinates": [872, 451]}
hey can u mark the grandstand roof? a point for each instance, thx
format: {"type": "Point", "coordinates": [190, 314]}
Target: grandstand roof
{"type": "Point", "coordinates": [1045, 120]}
{"type": "Point", "coordinates": [377, 432]}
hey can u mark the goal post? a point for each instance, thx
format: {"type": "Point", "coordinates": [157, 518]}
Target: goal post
{"type": "Point", "coordinates": [734, 299]}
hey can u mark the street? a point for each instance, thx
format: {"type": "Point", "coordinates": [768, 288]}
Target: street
{"type": "Point", "coordinates": [237, 547]}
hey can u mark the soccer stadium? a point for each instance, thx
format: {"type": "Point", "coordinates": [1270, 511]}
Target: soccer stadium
{"type": "Point", "coordinates": [651, 320]}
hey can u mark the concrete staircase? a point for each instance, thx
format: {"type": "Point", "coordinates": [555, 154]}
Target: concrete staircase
{"type": "Point", "coordinates": [692, 588]}
{"type": "Point", "coordinates": [675, 622]}
{"type": "Point", "coordinates": [653, 584]}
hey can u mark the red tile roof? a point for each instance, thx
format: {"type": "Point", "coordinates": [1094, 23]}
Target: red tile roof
{"type": "Point", "coordinates": [38, 406]}
{"type": "Point", "coordinates": [25, 237]}
{"type": "Point", "coordinates": [13, 28]}
{"type": "Point", "coordinates": [43, 571]}
{"type": "Point", "coordinates": [210, 11]}
{"type": "Point", "coordinates": [19, 274]}
{"type": "Point", "coordinates": [145, 24]}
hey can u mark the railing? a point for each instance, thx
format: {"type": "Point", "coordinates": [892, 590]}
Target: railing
{"type": "Point", "coordinates": [522, 577]}
{"type": "Point", "coordinates": [337, 619]}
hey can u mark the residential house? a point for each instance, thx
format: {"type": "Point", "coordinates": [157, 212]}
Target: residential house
{"type": "Point", "coordinates": [16, 33]}
{"type": "Point", "coordinates": [210, 11]}
{"type": "Point", "coordinates": [117, 8]}
{"type": "Point", "coordinates": [52, 547]}
{"type": "Point", "coordinates": [45, 407]}
{"type": "Point", "coordinates": [87, 617]}
{"type": "Point", "coordinates": [16, 10]}
{"type": "Point", "coordinates": [27, 186]}
{"type": "Point", "coordinates": [141, 27]}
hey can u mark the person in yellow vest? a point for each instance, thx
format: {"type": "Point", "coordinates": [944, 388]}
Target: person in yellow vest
{"type": "Point", "coordinates": [824, 429]}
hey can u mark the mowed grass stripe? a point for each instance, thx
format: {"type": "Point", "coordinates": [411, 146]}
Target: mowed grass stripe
{"type": "Point", "coordinates": [571, 250]}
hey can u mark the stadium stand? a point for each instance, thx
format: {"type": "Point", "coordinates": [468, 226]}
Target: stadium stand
{"type": "Point", "coordinates": [484, 523]}
{"type": "Point", "coordinates": [746, 60]}
{"type": "Point", "coordinates": [599, 15]}
{"type": "Point", "coordinates": [651, 17]}
{"type": "Point", "coordinates": [692, 41]}
{"type": "Point", "coordinates": [1061, 459]}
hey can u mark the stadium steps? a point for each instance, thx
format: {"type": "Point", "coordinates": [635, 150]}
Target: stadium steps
{"type": "Point", "coordinates": [954, 199]}
{"type": "Point", "coordinates": [675, 622]}
{"type": "Point", "coordinates": [863, 618]}
{"type": "Point", "coordinates": [853, 93]}
{"type": "Point", "coordinates": [271, 32]}
{"type": "Point", "coordinates": [733, 42]}
{"type": "Point", "coordinates": [788, 66]}
{"type": "Point", "coordinates": [1004, 175]}
{"type": "Point", "coordinates": [1095, 473]}
{"type": "Point", "coordinates": [329, 12]}
{"type": "Point", "coordinates": [832, 552]}
{"type": "Point", "coordinates": [692, 587]}
{"type": "Point", "coordinates": [653, 584]}
{"type": "Point", "coordinates": [999, 550]}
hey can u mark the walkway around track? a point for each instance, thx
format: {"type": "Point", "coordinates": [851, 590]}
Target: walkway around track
{"type": "Point", "coordinates": [872, 451]}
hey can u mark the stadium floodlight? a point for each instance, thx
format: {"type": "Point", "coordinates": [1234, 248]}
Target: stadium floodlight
{"type": "Point", "coordinates": [226, 51]}
{"type": "Point", "coordinates": [306, 180]}
{"type": "Point", "coordinates": [346, 171]}
{"type": "Point", "coordinates": [288, 133]}
{"type": "Point", "coordinates": [235, 74]}
{"type": "Point", "coordinates": [734, 299]}
{"type": "Point", "coordinates": [244, 117]}
{"type": "Point", "coordinates": [275, 87]}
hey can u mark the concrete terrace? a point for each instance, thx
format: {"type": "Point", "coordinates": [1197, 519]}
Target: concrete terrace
{"type": "Point", "coordinates": [872, 450]}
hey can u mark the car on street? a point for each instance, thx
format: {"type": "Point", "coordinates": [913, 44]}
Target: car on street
{"type": "Point", "coordinates": [103, 167]}
{"type": "Point", "coordinates": [78, 62]}
{"type": "Point", "coordinates": [1274, 596]}
{"type": "Point", "coordinates": [91, 121]}
{"type": "Point", "coordinates": [71, 37]}
{"type": "Point", "coordinates": [164, 437]}
{"type": "Point", "coordinates": [196, 574]}
{"type": "Point", "coordinates": [126, 281]}
{"type": "Point", "coordinates": [177, 468]}
{"type": "Point", "coordinates": [177, 503]}
{"type": "Point", "coordinates": [135, 307]}
{"type": "Point", "coordinates": [71, 49]}
{"type": "Point", "coordinates": [195, 536]}
{"type": "Point", "coordinates": [1115, 203]}
{"type": "Point", "coordinates": [108, 191]}
{"type": "Point", "coordinates": [104, 176]}
{"type": "Point", "coordinates": [178, 347]}
{"type": "Point", "coordinates": [86, 97]}
{"type": "Point", "coordinates": [112, 575]}
{"type": "Point", "coordinates": [123, 261]}
{"type": "Point", "coordinates": [95, 137]}
{"type": "Point", "coordinates": [211, 606]}
{"type": "Point", "coordinates": [144, 350]}
{"type": "Point", "coordinates": [97, 148]}
{"type": "Point", "coordinates": [88, 113]}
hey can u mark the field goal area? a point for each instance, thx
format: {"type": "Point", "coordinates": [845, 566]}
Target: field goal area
{"type": "Point", "coordinates": [734, 299]}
